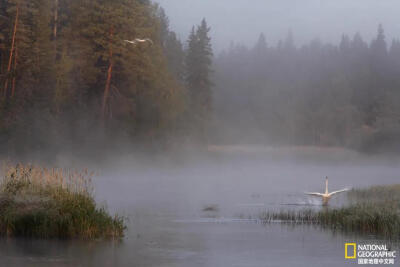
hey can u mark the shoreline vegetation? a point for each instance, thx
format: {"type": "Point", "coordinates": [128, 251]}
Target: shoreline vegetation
{"type": "Point", "coordinates": [38, 202]}
{"type": "Point", "coordinates": [374, 210]}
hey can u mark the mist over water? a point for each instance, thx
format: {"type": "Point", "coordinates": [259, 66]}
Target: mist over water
{"type": "Point", "coordinates": [164, 200]}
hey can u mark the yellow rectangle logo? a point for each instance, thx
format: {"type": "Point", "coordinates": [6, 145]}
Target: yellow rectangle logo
{"type": "Point", "coordinates": [346, 253]}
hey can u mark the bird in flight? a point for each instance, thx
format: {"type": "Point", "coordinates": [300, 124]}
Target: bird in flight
{"type": "Point", "coordinates": [327, 196]}
{"type": "Point", "coordinates": [138, 40]}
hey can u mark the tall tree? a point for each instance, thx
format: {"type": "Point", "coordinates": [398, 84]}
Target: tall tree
{"type": "Point", "coordinates": [198, 76]}
{"type": "Point", "coordinates": [66, 62]}
{"type": "Point", "coordinates": [378, 78]}
{"type": "Point", "coordinates": [12, 50]}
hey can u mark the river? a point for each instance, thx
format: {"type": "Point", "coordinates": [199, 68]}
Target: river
{"type": "Point", "coordinates": [167, 226]}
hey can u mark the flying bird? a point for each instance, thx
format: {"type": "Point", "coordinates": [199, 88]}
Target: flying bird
{"type": "Point", "coordinates": [327, 196]}
{"type": "Point", "coordinates": [138, 40]}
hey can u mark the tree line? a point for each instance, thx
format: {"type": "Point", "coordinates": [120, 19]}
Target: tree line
{"type": "Point", "coordinates": [68, 76]}
{"type": "Point", "coordinates": [69, 79]}
{"type": "Point", "coordinates": [317, 94]}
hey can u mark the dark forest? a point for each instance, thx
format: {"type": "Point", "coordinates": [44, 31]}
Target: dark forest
{"type": "Point", "coordinates": [71, 80]}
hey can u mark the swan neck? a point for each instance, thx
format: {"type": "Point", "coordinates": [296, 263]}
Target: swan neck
{"type": "Point", "coordinates": [326, 185]}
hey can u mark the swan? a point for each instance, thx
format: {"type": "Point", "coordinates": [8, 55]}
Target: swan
{"type": "Point", "coordinates": [137, 40]}
{"type": "Point", "coordinates": [327, 196]}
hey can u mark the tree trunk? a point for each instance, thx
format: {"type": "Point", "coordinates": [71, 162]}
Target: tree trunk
{"type": "Point", "coordinates": [109, 76]}
{"type": "Point", "coordinates": [55, 29]}
{"type": "Point", "coordinates": [15, 70]}
{"type": "Point", "coordinates": [55, 19]}
{"type": "Point", "coordinates": [11, 50]}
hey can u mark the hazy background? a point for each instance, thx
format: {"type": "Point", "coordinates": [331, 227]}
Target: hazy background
{"type": "Point", "coordinates": [242, 20]}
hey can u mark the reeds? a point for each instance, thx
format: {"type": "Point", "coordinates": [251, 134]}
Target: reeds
{"type": "Point", "coordinates": [52, 203]}
{"type": "Point", "coordinates": [375, 210]}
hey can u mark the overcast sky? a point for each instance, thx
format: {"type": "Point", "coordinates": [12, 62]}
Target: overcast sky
{"type": "Point", "coordinates": [242, 21]}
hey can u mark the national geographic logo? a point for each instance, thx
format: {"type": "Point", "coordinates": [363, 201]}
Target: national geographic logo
{"type": "Point", "coordinates": [374, 254]}
{"type": "Point", "coordinates": [350, 250]}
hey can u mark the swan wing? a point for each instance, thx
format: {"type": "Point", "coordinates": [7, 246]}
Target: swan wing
{"type": "Point", "coordinates": [339, 191]}
{"type": "Point", "coordinates": [144, 40]}
{"type": "Point", "coordinates": [315, 194]}
{"type": "Point", "coordinates": [131, 42]}
{"type": "Point", "coordinates": [138, 40]}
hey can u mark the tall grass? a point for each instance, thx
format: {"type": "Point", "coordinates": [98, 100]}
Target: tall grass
{"type": "Point", "coordinates": [374, 210]}
{"type": "Point", "coordinates": [52, 203]}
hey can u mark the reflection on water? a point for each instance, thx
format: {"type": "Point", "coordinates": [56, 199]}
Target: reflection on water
{"type": "Point", "coordinates": [167, 226]}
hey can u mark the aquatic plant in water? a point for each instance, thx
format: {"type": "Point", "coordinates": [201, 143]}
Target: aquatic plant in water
{"type": "Point", "coordinates": [52, 203]}
{"type": "Point", "coordinates": [375, 210]}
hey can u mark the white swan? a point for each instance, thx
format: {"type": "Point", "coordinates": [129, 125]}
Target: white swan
{"type": "Point", "coordinates": [137, 40]}
{"type": "Point", "coordinates": [327, 196]}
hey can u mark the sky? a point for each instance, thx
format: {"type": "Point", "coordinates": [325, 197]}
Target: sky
{"type": "Point", "coordinates": [242, 21]}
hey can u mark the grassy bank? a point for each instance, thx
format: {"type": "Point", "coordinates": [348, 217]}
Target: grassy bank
{"type": "Point", "coordinates": [52, 203]}
{"type": "Point", "coordinates": [374, 210]}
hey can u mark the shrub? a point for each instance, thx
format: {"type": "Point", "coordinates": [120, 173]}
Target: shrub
{"type": "Point", "coordinates": [53, 203]}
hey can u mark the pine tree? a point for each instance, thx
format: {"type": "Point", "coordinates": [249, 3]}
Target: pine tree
{"type": "Point", "coordinates": [344, 45]}
{"type": "Point", "coordinates": [261, 46]}
{"type": "Point", "coordinates": [172, 46]}
{"type": "Point", "coordinates": [378, 77]}
{"type": "Point", "coordinates": [13, 51]}
{"type": "Point", "coordinates": [70, 63]}
{"type": "Point", "coordinates": [175, 56]}
{"type": "Point", "coordinates": [198, 67]}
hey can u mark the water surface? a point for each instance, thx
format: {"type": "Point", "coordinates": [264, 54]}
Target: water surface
{"type": "Point", "coordinates": [167, 227]}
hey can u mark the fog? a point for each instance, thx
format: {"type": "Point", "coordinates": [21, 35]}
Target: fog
{"type": "Point", "coordinates": [318, 73]}
{"type": "Point", "coordinates": [163, 201]}
{"type": "Point", "coordinates": [242, 21]}
{"type": "Point", "coordinates": [192, 141]}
